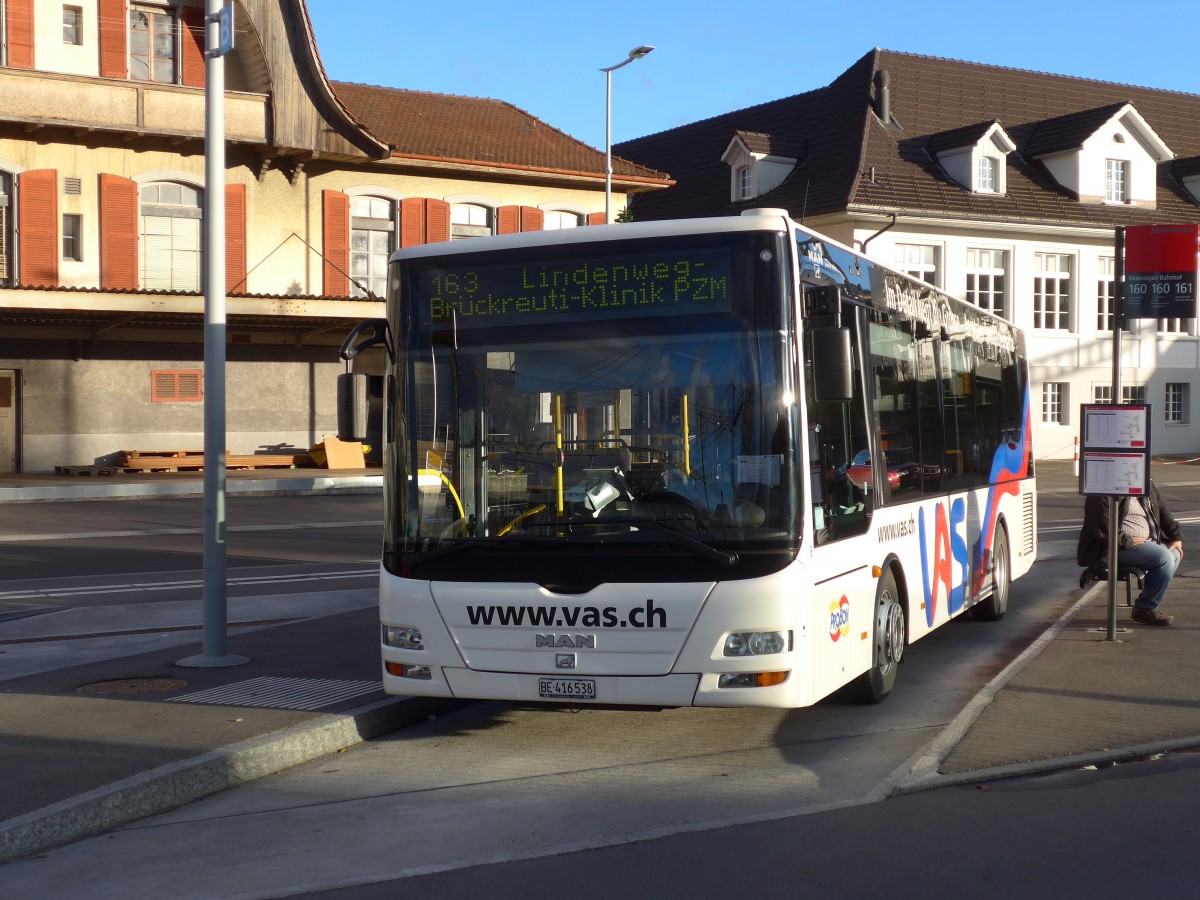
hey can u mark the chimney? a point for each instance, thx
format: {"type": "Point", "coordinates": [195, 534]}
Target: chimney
{"type": "Point", "coordinates": [883, 99]}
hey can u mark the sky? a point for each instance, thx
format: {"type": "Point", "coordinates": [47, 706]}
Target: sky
{"type": "Point", "coordinates": [714, 57]}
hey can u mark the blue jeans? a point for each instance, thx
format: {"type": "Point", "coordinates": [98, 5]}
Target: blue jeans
{"type": "Point", "coordinates": [1160, 564]}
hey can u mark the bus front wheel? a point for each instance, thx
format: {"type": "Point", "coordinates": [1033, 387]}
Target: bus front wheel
{"type": "Point", "coordinates": [876, 683]}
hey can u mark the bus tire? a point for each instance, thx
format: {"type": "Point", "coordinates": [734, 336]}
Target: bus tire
{"type": "Point", "coordinates": [995, 606]}
{"type": "Point", "coordinates": [887, 643]}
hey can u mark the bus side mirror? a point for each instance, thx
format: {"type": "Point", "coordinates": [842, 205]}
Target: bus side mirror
{"type": "Point", "coordinates": [832, 368]}
{"type": "Point", "coordinates": [352, 406]}
{"type": "Point", "coordinates": [366, 334]}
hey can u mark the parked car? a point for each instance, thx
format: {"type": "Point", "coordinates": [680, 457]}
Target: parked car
{"type": "Point", "coordinates": [902, 470]}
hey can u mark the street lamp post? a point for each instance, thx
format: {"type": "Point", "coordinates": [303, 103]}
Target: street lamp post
{"type": "Point", "coordinates": [635, 53]}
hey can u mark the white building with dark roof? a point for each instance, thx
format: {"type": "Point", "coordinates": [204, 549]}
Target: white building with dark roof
{"type": "Point", "coordinates": [998, 185]}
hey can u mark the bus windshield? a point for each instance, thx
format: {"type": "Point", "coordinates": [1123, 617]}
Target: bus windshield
{"type": "Point", "coordinates": [596, 411]}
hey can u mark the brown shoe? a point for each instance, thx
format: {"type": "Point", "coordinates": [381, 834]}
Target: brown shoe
{"type": "Point", "coordinates": [1151, 617]}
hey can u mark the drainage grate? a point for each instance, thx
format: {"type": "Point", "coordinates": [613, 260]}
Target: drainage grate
{"type": "Point", "coordinates": [120, 686]}
{"type": "Point", "coordinates": [283, 693]}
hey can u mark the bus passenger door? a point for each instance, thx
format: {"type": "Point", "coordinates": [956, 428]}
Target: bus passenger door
{"type": "Point", "coordinates": [842, 487]}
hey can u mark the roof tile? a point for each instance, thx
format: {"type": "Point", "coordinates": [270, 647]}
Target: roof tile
{"type": "Point", "coordinates": [846, 144]}
{"type": "Point", "coordinates": [471, 129]}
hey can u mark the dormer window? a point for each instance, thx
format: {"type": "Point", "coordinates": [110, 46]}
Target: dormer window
{"type": "Point", "coordinates": [745, 181]}
{"type": "Point", "coordinates": [1116, 181]}
{"type": "Point", "coordinates": [1104, 155]}
{"type": "Point", "coordinates": [758, 163]}
{"type": "Point", "coordinates": [974, 156]}
{"type": "Point", "coordinates": [987, 174]}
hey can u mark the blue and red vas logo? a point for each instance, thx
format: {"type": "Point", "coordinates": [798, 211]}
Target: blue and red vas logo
{"type": "Point", "coordinates": [839, 618]}
{"type": "Point", "coordinates": [1009, 465]}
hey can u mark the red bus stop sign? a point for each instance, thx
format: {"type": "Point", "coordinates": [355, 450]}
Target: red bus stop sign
{"type": "Point", "coordinates": [1161, 263]}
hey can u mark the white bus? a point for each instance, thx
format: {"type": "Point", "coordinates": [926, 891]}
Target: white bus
{"type": "Point", "coordinates": [716, 462]}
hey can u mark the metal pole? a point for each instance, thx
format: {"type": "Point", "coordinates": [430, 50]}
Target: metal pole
{"type": "Point", "coordinates": [215, 607]}
{"type": "Point", "coordinates": [635, 53]}
{"type": "Point", "coordinates": [608, 146]}
{"type": "Point", "coordinates": [1118, 316]}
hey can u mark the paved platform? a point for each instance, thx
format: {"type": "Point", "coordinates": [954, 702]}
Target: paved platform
{"type": "Point", "coordinates": [22, 488]}
{"type": "Point", "coordinates": [88, 747]}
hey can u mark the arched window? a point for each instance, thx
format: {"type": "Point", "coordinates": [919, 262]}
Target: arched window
{"type": "Point", "coordinates": [468, 220]}
{"type": "Point", "coordinates": [171, 229]}
{"type": "Point", "coordinates": [555, 219]}
{"type": "Point", "coordinates": [372, 240]}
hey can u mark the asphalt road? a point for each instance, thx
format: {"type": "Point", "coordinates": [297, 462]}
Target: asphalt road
{"type": "Point", "coordinates": [499, 800]}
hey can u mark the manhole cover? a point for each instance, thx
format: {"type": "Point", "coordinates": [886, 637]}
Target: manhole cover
{"type": "Point", "coordinates": [132, 686]}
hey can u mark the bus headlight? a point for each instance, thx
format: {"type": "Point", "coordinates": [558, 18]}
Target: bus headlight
{"type": "Point", "coordinates": [403, 637]}
{"type": "Point", "coordinates": [757, 643]}
{"type": "Point", "coordinates": [751, 679]}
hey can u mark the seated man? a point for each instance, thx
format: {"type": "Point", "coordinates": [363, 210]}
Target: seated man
{"type": "Point", "coordinates": [1148, 537]}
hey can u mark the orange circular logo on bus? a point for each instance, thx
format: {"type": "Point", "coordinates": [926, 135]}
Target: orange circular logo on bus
{"type": "Point", "coordinates": [839, 618]}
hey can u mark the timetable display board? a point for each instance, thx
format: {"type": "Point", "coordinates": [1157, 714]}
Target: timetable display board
{"type": "Point", "coordinates": [1115, 445]}
{"type": "Point", "coordinates": [1161, 266]}
{"type": "Point", "coordinates": [530, 291]}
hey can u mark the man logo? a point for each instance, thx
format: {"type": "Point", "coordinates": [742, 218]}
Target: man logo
{"type": "Point", "coordinates": [573, 641]}
{"type": "Point", "coordinates": [839, 618]}
{"type": "Point", "coordinates": [564, 660]}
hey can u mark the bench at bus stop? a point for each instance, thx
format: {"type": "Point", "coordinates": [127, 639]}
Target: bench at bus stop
{"type": "Point", "coordinates": [1128, 574]}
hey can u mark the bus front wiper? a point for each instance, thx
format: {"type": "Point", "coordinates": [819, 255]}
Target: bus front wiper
{"type": "Point", "coordinates": [720, 557]}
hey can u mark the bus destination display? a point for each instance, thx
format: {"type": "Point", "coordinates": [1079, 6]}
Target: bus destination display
{"type": "Point", "coordinates": [579, 289]}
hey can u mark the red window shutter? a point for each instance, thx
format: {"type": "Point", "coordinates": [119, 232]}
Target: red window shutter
{"type": "Point", "coordinates": [412, 222]}
{"type": "Point", "coordinates": [532, 219]}
{"type": "Point", "coordinates": [193, 46]}
{"type": "Point", "coordinates": [508, 219]}
{"type": "Point", "coordinates": [235, 238]}
{"type": "Point", "coordinates": [437, 221]}
{"type": "Point", "coordinates": [114, 56]}
{"type": "Point", "coordinates": [597, 219]}
{"type": "Point", "coordinates": [18, 26]}
{"type": "Point", "coordinates": [336, 208]}
{"type": "Point", "coordinates": [37, 198]}
{"type": "Point", "coordinates": [118, 233]}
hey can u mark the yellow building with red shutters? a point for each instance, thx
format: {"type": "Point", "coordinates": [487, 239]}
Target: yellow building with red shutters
{"type": "Point", "coordinates": [102, 203]}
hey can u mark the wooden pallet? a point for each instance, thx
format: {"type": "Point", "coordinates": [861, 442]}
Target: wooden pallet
{"type": "Point", "coordinates": [133, 461]}
{"type": "Point", "coordinates": [87, 470]}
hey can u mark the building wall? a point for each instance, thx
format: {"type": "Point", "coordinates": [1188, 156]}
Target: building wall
{"type": "Point", "coordinates": [86, 412]}
{"type": "Point", "coordinates": [283, 219]}
{"type": "Point", "coordinates": [52, 54]}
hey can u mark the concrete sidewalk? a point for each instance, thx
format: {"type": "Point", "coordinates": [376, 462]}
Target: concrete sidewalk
{"type": "Point", "coordinates": [22, 488]}
{"type": "Point", "coordinates": [91, 747]}
{"type": "Point", "coordinates": [1076, 698]}
{"type": "Point", "coordinates": [155, 736]}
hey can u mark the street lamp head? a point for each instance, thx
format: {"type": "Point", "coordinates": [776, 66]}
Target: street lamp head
{"type": "Point", "coordinates": [635, 53]}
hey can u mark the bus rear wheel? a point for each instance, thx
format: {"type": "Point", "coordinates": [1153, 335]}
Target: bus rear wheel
{"type": "Point", "coordinates": [995, 606]}
{"type": "Point", "coordinates": [876, 683]}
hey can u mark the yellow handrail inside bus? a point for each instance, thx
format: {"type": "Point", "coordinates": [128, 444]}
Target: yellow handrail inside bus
{"type": "Point", "coordinates": [687, 450]}
{"type": "Point", "coordinates": [521, 518]}
{"type": "Point", "coordinates": [558, 446]}
{"type": "Point", "coordinates": [446, 481]}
